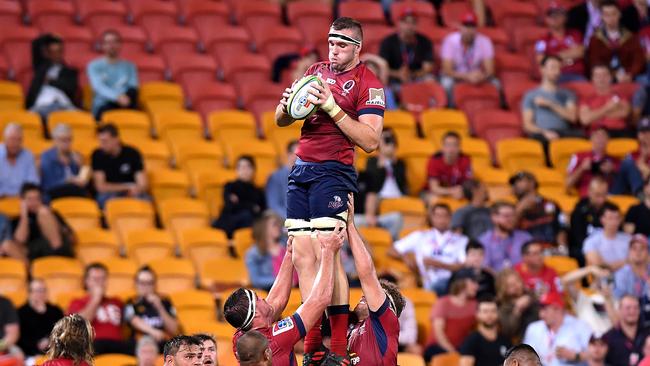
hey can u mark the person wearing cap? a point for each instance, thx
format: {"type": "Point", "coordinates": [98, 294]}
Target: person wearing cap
{"type": "Point", "coordinates": [604, 108]}
{"type": "Point", "coordinates": [537, 276]}
{"type": "Point", "coordinates": [635, 168]}
{"type": "Point", "coordinates": [503, 243]}
{"type": "Point", "coordinates": [559, 338]}
{"type": "Point", "coordinates": [616, 46]}
{"type": "Point", "coordinates": [409, 54]}
{"type": "Point", "coordinates": [638, 216]}
{"type": "Point", "coordinates": [633, 277]}
{"type": "Point", "coordinates": [585, 165]}
{"type": "Point", "coordinates": [626, 339]}
{"type": "Point", "coordinates": [596, 351]}
{"type": "Point", "coordinates": [585, 217]}
{"type": "Point", "coordinates": [567, 44]}
{"type": "Point", "coordinates": [467, 56]}
{"type": "Point", "coordinates": [485, 346]}
{"type": "Point", "coordinates": [607, 247]}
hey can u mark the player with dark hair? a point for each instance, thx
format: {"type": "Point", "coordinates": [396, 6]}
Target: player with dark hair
{"type": "Point", "coordinates": [182, 350]}
{"type": "Point", "coordinates": [253, 350]}
{"type": "Point", "coordinates": [351, 105]}
{"type": "Point", "coordinates": [522, 355]}
{"type": "Point", "coordinates": [208, 349]}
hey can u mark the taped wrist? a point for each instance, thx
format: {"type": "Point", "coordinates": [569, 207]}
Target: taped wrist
{"type": "Point", "coordinates": [330, 107]}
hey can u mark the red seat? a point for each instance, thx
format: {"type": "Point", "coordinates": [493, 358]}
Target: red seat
{"type": "Point", "coordinates": [205, 16]}
{"type": "Point", "coordinates": [510, 66]}
{"type": "Point", "coordinates": [50, 14]}
{"type": "Point", "coordinates": [425, 12]}
{"type": "Point", "coordinates": [134, 40]}
{"type": "Point", "coordinates": [260, 97]}
{"type": "Point", "coordinates": [373, 35]}
{"type": "Point", "coordinates": [101, 13]}
{"type": "Point", "coordinates": [10, 13]}
{"type": "Point", "coordinates": [246, 68]}
{"type": "Point", "coordinates": [80, 61]}
{"type": "Point", "coordinates": [420, 96]}
{"type": "Point", "coordinates": [16, 44]}
{"type": "Point", "coordinates": [227, 41]}
{"type": "Point", "coordinates": [498, 37]}
{"type": "Point", "coordinates": [435, 35]}
{"type": "Point", "coordinates": [4, 68]}
{"type": "Point", "coordinates": [512, 15]}
{"type": "Point", "coordinates": [453, 11]}
{"type": "Point", "coordinates": [514, 91]}
{"type": "Point", "coordinates": [473, 99]}
{"type": "Point", "coordinates": [582, 89]}
{"type": "Point", "coordinates": [277, 40]}
{"type": "Point", "coordinates": [493, 125]}
{"type": "Point", "coordinates": [257, 14]}
{"type": "Point", "coordinates": [525, 38]}
{"type": "Point", "coordinates": [211, 96]}
{"type": "Point", "coordinates": [150, 66]}
{"type": "Point", "coordinates": [366, 12]}
{"type": "Point", "coordinates": [193, 68]}
{"type": "Point", "coordinates": [174, 40]}
{"type": "Point", "coordinates": [306, 11]}
{"type": "Point", "coordinates": [153, 15]}
{"type": "Point", "coordinates": [77, 39]}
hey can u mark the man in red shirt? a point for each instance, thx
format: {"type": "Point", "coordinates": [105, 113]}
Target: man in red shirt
{"type": "Point", "coordinates": [584, 165]}
{"type": "Point", "coordinates": [604, 108]}
{"type": "Point", "coordinates": [448, 169]}
{"type": "Point", "coordinates": [538, 277]}
{"type": "Point", "coordinates": [563, 43]}
{"type": "Point", "coordinates": [635, 168]}
{"type": "Point", "coordinates": [104, 313]}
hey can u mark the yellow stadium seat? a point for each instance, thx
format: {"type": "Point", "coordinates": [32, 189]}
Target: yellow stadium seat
{"type": "Point", "coordinates": [478, 150]}
{"type": "Point", "coordinates": [406, 278]}
{"type": "Point", "coordinates": [11, 95]}
{"type": "Point", "coordinates": [566, 202]}
{"type": "Point", "coordinates": [623, 202]}
{"type": "Point", "coordinates": [547, 178]}
{"type": "Point", "coordinates": [263, 153]}
{"type": "Point", "coordinates": [125, 214]}
{"type": "Point", "coordinates": [409, 359]}
{"type": "Point", "coordinates": [13, 275]}
{"type": "Point", "coordinates": [496, 181]}
{"type": "Point", "coordinates": [376, 236]}
{"type": "Point", "coordinates": [17, 298]}
{"type": "Point", "coordinates": [420, 297]}
{"type": "Point", "coordinates": [280, 136]}
{"type": "Point", "coordinates": [156, 96]}
{"type": "Point", "coordinates": [40, 360]}
{"type": "Point", "coordinates": [146, 245]}
{"type": "Point", "coordinates": [194, 305]}
{"type": "Point", "coordinates": [61, 274]}
{"type": "Point", "coordinates": [130, 122]}
{"type": "Point", "coordinates": [202, 244]}
{"type": "Point", "coordinates": [243, 239]}
{"type": "Point", "coordinates": [168, 183]}
{"type": "Point", "coordinates": [37, 146]}
{"type": "Point", "coordinates": [561, 264]}
{"type": "Point", "coordinates": [80, 213]}
{"type": "Point", "coordinates": [10, 206]}
{"type": "Point", "coordinates": [423, 319]}
{"type": "Point", "coordinates": [174, 274]}
{"type": "Point", "coordinates": [63, 300]}
{"type": "Point", "coordinates": [209, 187]}
{"type": "Point", "coordinates": [446, 359]}
{"type": "Point", "coordinates": [295, 300]}
{"type": "Point", "coordinates": [180, 125]}
{"type": "Point", "coordinates": [177, 214]}
{"type": "Point", "coordinates": [198, 155]}
{"type": "Point", "coordinates": [361, 158]}
{"type": "Point", "coordinates": [225, 355]}
{"type": "Point", "coordinates": [621, 147]}
{"type": "Point", "coordinates": [402, 122]}
{"type": "Point", "coordinates": [515, 154]}
{"type": "Point", "coordinates": [416, 154]}
{"type": "Point", "coordinates": [121, 274]}
{"type": "Point", "coordinates": [224, 272]}
{"type": "Point", "coordinates": [412, 209]}
{"type": "Point", "coordinates": [30, 122]}
{"type": "Point", "coordinates": [96, 244]}
{"type": "Point", "coordinates": [155, 154]}
{"type": "Point", "coordinates": [114, 359]}
{"type": "Point", "coordinates": [269, 126]}
{"type": "Point", "coordinates": [82, 123]}
{"type": "Point", "coordinates": [85, 147]}
{"type": "Point", "coordinates": [562, 149]}
{"type": "Point", "coordinates": [454, 204]}
{"type": "Point", "coordinates": [220, 330]}
{"type": "Point", "coordinates": [232, 123]}
{"type": "Point", "coordinates": [435, 122]}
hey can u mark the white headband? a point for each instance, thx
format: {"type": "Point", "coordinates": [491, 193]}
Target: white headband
{"type": "Point", "coordinates": [335, 36]}
{"type": "Point", "coordinates": [251, 309]}
{"type": "Point", "coordinates": [391, 303]}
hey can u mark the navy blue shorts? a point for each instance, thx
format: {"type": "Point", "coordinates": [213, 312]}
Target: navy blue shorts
{"type": "Point", "coordinates": [319, 189]}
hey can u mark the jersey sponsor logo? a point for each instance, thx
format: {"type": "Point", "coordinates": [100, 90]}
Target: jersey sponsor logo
{"type": "Point", "coordinates": [347, 86]}
{"type": "Point", "coordinates": [283, 326]}
{"type": "Point", "coordinates": [355, 359]}
{"type": "Point", "coordinates": [330, 81]}
{"type": "Point", "coordinates": [337, 203]}
{"type": "Point", "coordinates": [376, 97]}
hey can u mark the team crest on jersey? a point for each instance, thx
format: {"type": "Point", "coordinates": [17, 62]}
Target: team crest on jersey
{"type": "Point", "coordinates": [376, 97]}
{"type": "Point", "coordinates": [347, 86]}
{"type": "Point", "coordinates": [282, 326]}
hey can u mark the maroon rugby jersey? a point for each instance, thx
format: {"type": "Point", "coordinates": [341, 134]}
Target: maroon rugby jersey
{"type": "Point", "coordinates": [357, 92]}
{"type": "Point", "coordinates": [375, 340]}
{"type": "Point", "coordinates": [282, 336]}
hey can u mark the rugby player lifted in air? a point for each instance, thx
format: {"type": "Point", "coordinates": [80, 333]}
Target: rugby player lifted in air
{"type": "Point", "coordinates": [351, 108]}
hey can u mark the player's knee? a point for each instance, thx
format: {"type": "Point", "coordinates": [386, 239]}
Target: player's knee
{"type": "Point", "coordinates": [328, 224]}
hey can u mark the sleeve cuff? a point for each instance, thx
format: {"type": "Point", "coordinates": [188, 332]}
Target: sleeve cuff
{"type": "Point", "coordinates": [382, 309]}
{"type": "Point", "coordinates": [376, 111]}
{"type": "Point", "coordinates": [299, 324]}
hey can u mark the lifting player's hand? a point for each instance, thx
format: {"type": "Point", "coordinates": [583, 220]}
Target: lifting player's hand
{"type": "Point", "coordinates": [334, 241]}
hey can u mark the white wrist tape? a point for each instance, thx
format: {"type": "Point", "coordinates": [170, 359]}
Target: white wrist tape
{"type": "Point", "coordinates": [330, 107]}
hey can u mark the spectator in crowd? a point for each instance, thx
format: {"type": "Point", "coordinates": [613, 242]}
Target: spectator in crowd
{"type": "Point", "coordinates": [635, 16]}
{"type": "Point", "coordinates": [626, 339]}
{"type": "Point", "coordinates": [448, 169]}
{"type": "Point", "coordinates": [522, 355]}
{"type": "Point", "coordinates": [276, 186]}
{"type": "Point", "coordinates": [148, 313]}
{"type": "Point", "coordinates": [9, 331]}
{"type": "Point", "coordinates": [409, 54]}
{"type": "Point", "coordinates": [569, 336]}
{"type": "Point", "coordinates": [585, 17]}
{"type": "Point", "coordinates": [37, 318]}
{"type": "Point", "coordinates": [485, 346]}
{"type": "Point", "coordinates": [607, 247]}
{"type": "Point", "coordinates": [474, 218]}
{"type": "Point", "coordinates": [71, 342]}
{"type": "Point", "coordinates": [264, 257]}
{"type": "Point", "coordinates": [242, 201]}
{"type": "Point", "coordinates": [209, 349]}
{"type": "Point", "coordinates": [384, 177]}
{"type": "Point", "coordinates": [596, 351]}
{"type": "Point", "coordinates": [5, 229]}
{"type": "Point", "coordinates": [453, 316]}
{"type": "Point", "coordinates": [518, 306]}
{"type": "Point", "coordinates": [503, 243]}
{"type": "Point", "coordinates": [146, 351]}
{"type": "Point", "coordinates": [63, 172]}
{"type": "Point", "coordinates": [467, 56]}
{"type": "Point", "coordinates": [118, 169]}
{"type": "Point", "coordinates": [566, 44]}
{"type": "Point", "coordinates": [616, 46]}
{"type": "Point", "coordinates": [537, 276]}
{"type": "Point", "coordinates": [474, 259]}
{"type": "Point", "coordinates": [379, 67]}
{"type": "Point", "coordinates": [253, 349]}
{"type": "Point", "coordinates": [586, 215]}
{"type": "Point", "coordinates": [17, 164]}
{"type": "Point", "coordinates": [114, 81]}
{"type": "Point", "coordinates": [635, 168]}
{"type": "Point", "coordinates": [536, 214]}
{"type": "Point", "coordinates": [55, 84]}
{"type": "Point", "coordinates": [103, 312]}
{"type": "Point", "coordinates": [38, 231]}
{"type": "Point", "coordinates": [638, 216]}
{"type": "Point", "coordinates": [548, 111]}
{"type": "Point", "coordinates": [596, 307]}
{"type": "Point", "coordinates": [585, 165]}
{"type": "Point", "coordinates": [604, 108]}
{"type": "Point", "coordinates": [433, 253]}
{"type": "Point", "coordinates": [632, 279]}
{"type": "Point", "coordinates": [646, 353]}
{"type": "Point", "coordinates": [182, 350]}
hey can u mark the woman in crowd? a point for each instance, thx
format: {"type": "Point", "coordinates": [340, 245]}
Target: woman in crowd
{"type": "Point", "coordinates": [517, 307]}
{"type": "Point", "coordinates": [264, 257]}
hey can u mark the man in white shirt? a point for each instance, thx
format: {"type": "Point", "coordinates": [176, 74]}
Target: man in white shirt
{"type": "Point", "coordinates": [434, 253]}
{"type": "Point", "coordinates": [607, 247]}
{"type": "Point", "coordinates": [559, 338]}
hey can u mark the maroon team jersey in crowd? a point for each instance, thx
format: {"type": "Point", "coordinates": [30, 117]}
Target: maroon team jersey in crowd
{"type": "Point", "coordinates": [375, 340]}
{"type": "Point", "coordinates": [282, 336]}
{"type": "Point", "coordinates": [357, 92]}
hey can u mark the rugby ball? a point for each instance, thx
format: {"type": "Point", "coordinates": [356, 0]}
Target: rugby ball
{"type": "Point", "coordinates": [300, 103]}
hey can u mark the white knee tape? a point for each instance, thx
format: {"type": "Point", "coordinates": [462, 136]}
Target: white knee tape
{"type": "Point", "coordinates": [327, 224]}
{"type": "Point", "coordinates": [298, 227]}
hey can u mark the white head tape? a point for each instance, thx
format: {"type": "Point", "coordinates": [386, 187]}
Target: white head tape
{"type": "Point", "coordinates": [391, 302]}
{"type": "Point", "coordinates": [251, 309]}
{"type": "Point", "coordinates": [336, 36]}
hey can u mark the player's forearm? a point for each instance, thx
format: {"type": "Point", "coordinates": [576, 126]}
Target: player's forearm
{"type": "Point", "coordinates": [282, 118]}
{"type": "Point", "coordinates": [362, 258]}
{"type": "Point", "coordinates": [361, 134]}
{"type": "Point", "coordinates": [321, 293]}
{"type": "Point", "coordinates": [279, 293]}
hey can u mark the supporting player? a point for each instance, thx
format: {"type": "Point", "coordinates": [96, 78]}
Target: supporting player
{"type": "Point", "coordinates": [351, 107]}
{"type": "Point", "coordinates": [253, 350]}
{"type": "Point", "coordinates": [245, 311]}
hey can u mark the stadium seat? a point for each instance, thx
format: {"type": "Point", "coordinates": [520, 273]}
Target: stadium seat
{"type": "Point", "coordinates": [366, 12]}
{"type": "Point", "coordinates": [402, 123]}
{"type": "Point", "coordinates": [499, 39]}
{"type": "Point", "coordinates": [80, 213]}
{"type": "Point", "coordinates": [17, 298]}
{"type": "Point", "coordinates": [174, 275]}
{"type": "Point", "coordinates": [13, 275]}
{"type": "Point", "coordinates": [209, 96]}
{"type": "Point", "coordinates": [49, 15]}
{"type": "Point", "coordinates": [130, 122]}
{"type": "Point", "coordinates": [446, 359]}
{"type": "Point", "coordinates": [161, 95]}
{"type": "Point", "coordinates": [262, 151]}
{"type": "Point", "coordinates": [82, 123]}
{"type": "Point", "coordinates": [424, 11]}
{"type": "Point", "coordinates": [30, 122]}
{"type": "Point", "coordinates": [167, 183]}
{"type": "Point", "coordinates": [224, 272]}
{"type": "Point", "coordinates": [178, 125]}
{"type": "Point", "coordinates": [475, 99]}
{"type": "Point", "coordinates": [411, 208]}
{"type": "Point", "coordinates": [311, 18]}
{"type": "Point", "coordinates": [134, 39]}
{"type": "Point", "coordinates": [201, 155]}
{"type": "Point", "coordinates": [566, 202]}
{"type": "Point", "coordinates": [178, 214]}
{"type": "Point", "coordinates": [547, 177]}
{"type": "Point", "coordinates": [582, 89]}
{"type": "Point", "coordinates": [10, 206]}
{"type": "Point", "coordinates": [101, 13]}
{"type": "Point", "coordinates": [61, 274]}
{"type": "Point", "coordinates": [174, 40]}
{"type": "Point", "coordinates": [494, 125]}
{"type": "Point", "coordinates": [280, 136]}
{"type": "Point", "coordinates": [623, 202]}
{"type": "Point", "coordinates": [151, 67]}
{"type": "Point", "coordinates": [626, 90]}
{"type": "Point", "coordinates": [257, 14]}
{"type": "Point", "coordinates": [245, 68]}
{"type": "Point", "coordinates": [229, 40]}
{"type": "Point", "coordinates": [496, 181]}
{"type": "Point", "coordinates": [510, 66]}
{"type": "Point", "coordinates": [11, 94]}
{"type": "Point", "coordinates": [114, 359]}
{"type": "Point", "coordinates": [562, 149]}
{"type": "Point", "coordinates": [154, 153]}
{"type": "Point", "coordinates": [409, 359]}
{"type": "Point", "coordinates": [515, 154]}
{"type": "Point", "coordinates": [64, 299]}
{"type": "Point", "coordinates": [561, 264]}
{"type": "Point", "coordinates": [228, 124]}
{"type": "Point", "coordinates": [478, 150]}
{"type": "Point", "coordinates": [202, 244]}
{"type": "Point", "coordinates": [376, 236]}
{"type": "Point", "coordinates": [153, 15]}
{"type": "Point", "coordinates": [126, 214]}
{"type": "Point", "coordinates": [209, 188]}
{"type": "Point", "coordinates": [416, 154]}
{"type": "Point", "coordinates": [243, 239]}
{"type": "Point", "coordinates": [373, 35]}
{"type": "Point", "coordinates": [96, 244]}
{"type": "Point", "coordinates": [525, 38]}
{"type": "Point", "coordinates": [4, 67]}
{"type": "Point", "coordinates": [10, 13]}
{"type": "Point", "coordinates": [78, 40]}
{"type": "Point", "coordinates": [620, 147]}
{"type": "Point", "coordinates": [435, 122]}
{"type": "Point", "coordinates": [121, 275]}
{"type": "Point", "coordinates": [514, 91]}
{"type": "Point", "coordinates": [277, 40]}
{"type": "Point", "coordinates": [193, 306]}
{"type": "Point", "coordinates": [16, 44]}
{"type": "Point", "coordinates": [453, 11]}
{"type": "Point", "coordinates": [205, 16]}
{"type": "Point", "coordinates": [513, 15]}
{"type": "Point", "coordinates": [146, 245]}
{"type": "Point", "coordinates": [420, 96]}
